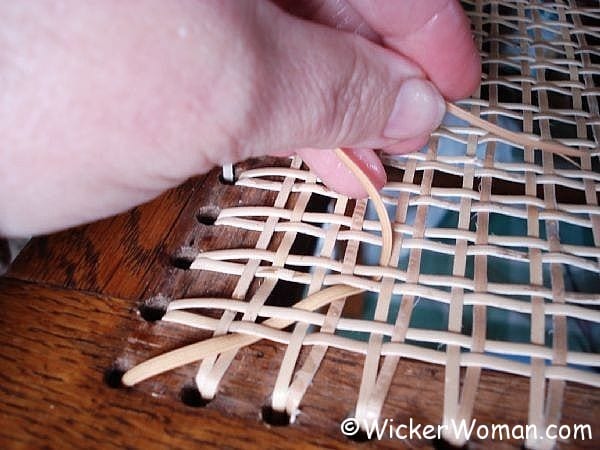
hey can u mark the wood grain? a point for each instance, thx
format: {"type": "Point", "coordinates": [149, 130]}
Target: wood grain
{"type": "Point", "coordinates": [58, 343]}
{"type": "Point", "coordinates": [69, 312]}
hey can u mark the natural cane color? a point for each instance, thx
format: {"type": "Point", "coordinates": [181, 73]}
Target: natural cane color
{"type": "Point", "coordinates": [494, 276]}
{"type": "Point", "coordinates": [386, 226]}
{"type": "Point", "coordinates": [219, 344]}
{"type": "Point", "coordinates": [487, 310]}
{"type": "Point", "coordinates": [195, 352]}
{"type": "Point", "coordinates": [516, 138]}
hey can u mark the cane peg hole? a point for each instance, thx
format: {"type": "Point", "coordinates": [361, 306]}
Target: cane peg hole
{"type": "Point", "coordinates": [227, 175]}
{"type": "Point", "coordinates": [360, 436]}
{"type": "Point", "coordinates": [154, 308]}
{"type": "Point", "coordinates": [273, 417]}
{"type": "Point", "coordinates": [113, 375]}
{"type": "Point", "coordinates": [184, 258]}
{"type": "Point", "coordinates": [207, 215]}
{"type": "Point", "coordinates": [191, 396]}
{"type": "Point", "coordinates": [182, 262]}
{"type": "Point", "coordinates": [443, 444]}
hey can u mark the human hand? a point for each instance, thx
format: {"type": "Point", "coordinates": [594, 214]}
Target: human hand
{"type": "Point", "coordinates": [106, 104]}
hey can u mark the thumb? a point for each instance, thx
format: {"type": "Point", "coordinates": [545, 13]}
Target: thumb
{"type": "Point", "coordinates": [327, 88]}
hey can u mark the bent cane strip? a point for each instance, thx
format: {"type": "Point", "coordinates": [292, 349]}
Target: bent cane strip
{"type": "Point", "coordinates": [219, 344]}
{"type": "Point", "coordinates": [386, 226]}
{"type": "Point", "coordinates": [518, 138]}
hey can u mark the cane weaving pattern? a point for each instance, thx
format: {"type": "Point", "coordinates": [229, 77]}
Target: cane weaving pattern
{"type": "Point", "coordinates": [484, 231]}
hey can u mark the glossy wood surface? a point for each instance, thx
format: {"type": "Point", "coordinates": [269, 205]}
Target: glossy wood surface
{"type": "Point", "coordinates": [70, 321]}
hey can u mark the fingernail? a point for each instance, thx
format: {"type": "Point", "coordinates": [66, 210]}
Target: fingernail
{"type": "Point", "coordinates": [419, 108]}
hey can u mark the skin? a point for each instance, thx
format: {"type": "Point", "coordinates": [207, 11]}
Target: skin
{"type": "Point", "coordinates": [106, 104]}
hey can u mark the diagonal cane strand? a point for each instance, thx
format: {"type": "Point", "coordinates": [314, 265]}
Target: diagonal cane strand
{"type": "Point", "coordinates": [219, 344]}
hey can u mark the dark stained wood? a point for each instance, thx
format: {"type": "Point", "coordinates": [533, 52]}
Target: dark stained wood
{"type": "Point", "coordinates": [58, 343]}
{"type": "Point", "coordinates": [4, 255]}
{"type": "Point", "coordinates": [69, 312]}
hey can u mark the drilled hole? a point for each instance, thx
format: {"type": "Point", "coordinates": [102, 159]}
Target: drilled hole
{"type": "Point", "coordinates": [360, 436]}
{"type": "Point", "coordinates": [222, 180]}
{"type": "Point", "coordinates": [443, 444]}
{"type": "Point", "coordinates": [182, 262]}
{"type": "Point", "coordinates": [350, 428]}
{"type": "Point", "coordinates": [183, 258]}
{"type": "Point", "coordinates": [207, 215]}
{"type": "Point", "coordinates": [275, 418]}
{"type": "Point", "coordinates": [113, 375]}
{"type": "Point", "coordinates": [151, 313]}
{"type": "Point", "coordinates": [154, 308]}
{"type": "Point", "coordinates": [191, 396]}
{"type": "Point", "coordinates": [206, 219]}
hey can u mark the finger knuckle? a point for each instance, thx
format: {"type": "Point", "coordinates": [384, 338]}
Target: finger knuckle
{"type": "Point", "coordinates": [356, 98]}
